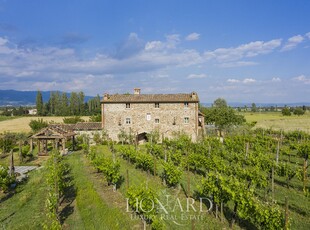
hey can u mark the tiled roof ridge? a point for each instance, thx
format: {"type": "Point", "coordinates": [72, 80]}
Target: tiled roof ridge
{"type": "Point", "coordinates": [178, 97]}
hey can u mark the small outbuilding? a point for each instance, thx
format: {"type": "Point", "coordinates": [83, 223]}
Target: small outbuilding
{"type": "Point", "coordinates": [57, 134]}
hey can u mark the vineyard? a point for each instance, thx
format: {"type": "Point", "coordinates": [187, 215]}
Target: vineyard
{"type": "Point", "coordinates": [257, 180]}
{"type": "Point", "coordinates": [253, 181]}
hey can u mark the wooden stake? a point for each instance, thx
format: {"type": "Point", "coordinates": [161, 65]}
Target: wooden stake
{"type": "Point", "coordinates": [278, 149]}
{"type": "Point", "coordinates": [188, 184]}
{"type": "Point", "coordinates": [286, 226]}
{"type": "Point", "coordinates": [193, 224]}
{"type": "Point", "coordinates": [127, 179]}
{"type": "Point", "coordinates": [305, 175]}
{"type": "Point", "coordinates": [272, 183]}
{"type": "Point", "coordinates": [247, 150]}
{"type": "Point", "coordinates": [222, 216]}
{"type": "Point", "coordinates": [154, 166]}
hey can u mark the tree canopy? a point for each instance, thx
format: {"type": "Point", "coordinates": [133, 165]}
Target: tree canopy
{"type": "Point", "coordinates": [221, 115]}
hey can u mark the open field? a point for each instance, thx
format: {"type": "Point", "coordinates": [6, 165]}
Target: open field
{"type": "Point", "coordinates": [4, 118]}
{"type": "Point", "coordinates": [277, 121]}
{"type": "Point", "coordinates": [21, 124]}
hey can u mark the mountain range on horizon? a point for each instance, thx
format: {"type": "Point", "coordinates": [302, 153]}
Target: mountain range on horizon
{"type": "Point", "coordinates": [28, 98]}
{"type": "Point", "coordinates": [25, 98]}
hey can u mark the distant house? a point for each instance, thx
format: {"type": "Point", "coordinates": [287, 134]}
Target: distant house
{"type": "Point", "coordinates": [32, 111]}
{"type": "Point", "coordinates": [140, 114]}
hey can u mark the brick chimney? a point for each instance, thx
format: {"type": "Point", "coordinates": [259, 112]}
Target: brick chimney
{"type": "Point", "coordinates": [194, 95]}
{"type": "Point", "coordinates": [136, 91]}
{"type": "Point", "coordinates": [105, 96]}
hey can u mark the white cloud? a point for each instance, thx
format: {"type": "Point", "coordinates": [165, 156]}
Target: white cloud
{"type": "Point", "coordinates": [195, 76]}
{"type": "Point", "coordinates": [56, 68]}
{"type": "Point", "coordinates": [276, 79]}
{"type": "Point", "coordinates": [231, 80]}
{"type": "Point", "coordinates": [248, 80]}
{"type": "Point", "coordinates": [244, 81]}
{"type": "Point", "coordinates": [3, 41]}
{"type": "Point", "coordinates": [292, 42]}
{"type": "Point", "coordinates": [237, 64]}
{"type": "Point", "coordinates": [171, 42]}
{"type": "Point", "coordinates": [308, 35]}
{"type": "Point", "coordinates": [251, 49]}
{"type": "Point", "coordinates": [160, 76]}
{"type": "Point", "coordinates": [303, 79]}
{"type": "Point", "coordinates": [154, 45]}
{"type": "Point", "coordinates": [192, 37]}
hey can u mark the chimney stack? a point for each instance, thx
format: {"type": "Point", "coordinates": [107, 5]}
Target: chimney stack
{"type": "Point", "coordinates": [105, 96]}
{"type": "Point", "coordinates": [194, 95]}
{"type": "Point", "coordinates": [136, 91]}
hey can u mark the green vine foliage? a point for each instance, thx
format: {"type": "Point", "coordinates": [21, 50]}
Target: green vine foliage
{"type": "Point", "coordinates": [56, 184]}
{"type": "Point", "coordinates": [109, 168]}
{"type": "Point", "coordinates": [145, 162]}
{"type": "Point", "coordinates": [171, 174]}
{"type": "Point", "coordinates": [5, 179]}
{"type": "Point", "coordinates": [143, 201]}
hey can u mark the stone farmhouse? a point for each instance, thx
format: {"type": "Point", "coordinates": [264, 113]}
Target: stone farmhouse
{"type": "Point", "coordinates": [140, 114]}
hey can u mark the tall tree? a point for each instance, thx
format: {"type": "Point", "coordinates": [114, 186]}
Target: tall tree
{"type": "Point", "coordinates": [254, 108]}
{"type": "Point", "coordinates": [81, 104]}
{"type": "Point", "coordinates": [222, 116]}
{"type": "Point", "coordinates": [74, 104]}
{"type": "Point", "coordinates": [39, 103]}
{"type": "Point", "coordinates": [220, 103]}
{"type": "Point", "coordinates": [64, 104]}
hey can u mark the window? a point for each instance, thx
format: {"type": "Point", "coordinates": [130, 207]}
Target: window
{"type": "Point", "coordinates": [185, 104]}
{"type": "Point", "coordinates": [128, 121]}
{"type": "Point", "coordinates": [127, 105]}
{"type": "Point", "coordinates": [174, 121]}
{"type": "Point", "coordinates": [156, 121]}
{"type": "Point", "coordinates": [156, 105]}
{"type": "Point", "coordinates": [186, 120]}
{"type": "Point", "coordinates": [148, 116]}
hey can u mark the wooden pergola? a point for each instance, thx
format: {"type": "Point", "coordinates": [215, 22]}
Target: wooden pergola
{"type": "Point", "coordinates": [57, 134]}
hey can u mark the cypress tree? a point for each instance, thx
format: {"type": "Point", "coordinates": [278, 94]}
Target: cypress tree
{"type": "Point", "coordinates": [39, 103]}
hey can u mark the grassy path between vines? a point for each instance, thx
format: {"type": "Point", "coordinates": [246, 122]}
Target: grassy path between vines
{"type": "Point", "coordinates": [96, 206]}
{"type": "Point", "coordinates": [138, 177]}
{"type": "Point", "coordinates": [26, 208]}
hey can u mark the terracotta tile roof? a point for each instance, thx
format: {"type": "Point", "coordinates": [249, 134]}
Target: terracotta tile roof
{"type": "Point", "coordinates": [78, 126]}
{"type": "Point", "coordinates": [88, 126]}
{"type": "Point", "coordinates": [127, 98]}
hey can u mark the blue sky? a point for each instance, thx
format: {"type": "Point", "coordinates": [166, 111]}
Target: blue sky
{"type": "Point", "coordinates": [242, 50]}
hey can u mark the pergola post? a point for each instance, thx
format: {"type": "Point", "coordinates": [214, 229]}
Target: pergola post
{"type": "Point", "coordinates": [39, 146]}
{"type": "Point", "coordinates": [63, 145]}
{"type": "Point", "coordinates": [73, 143]}
{"type": "Point", "coordinates": [31, 145]}
{"type": "Point", "coordinates": [45, 146]}
{"type": "Point", "coordinates": [57, 144]}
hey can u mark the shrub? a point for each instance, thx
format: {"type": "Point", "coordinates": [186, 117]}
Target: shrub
{"type": "Point", "coordinates": [36, 125]}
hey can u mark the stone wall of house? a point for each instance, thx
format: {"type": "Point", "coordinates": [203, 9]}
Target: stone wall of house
{"type": "Point", "coordinates": [89, 133]}
{"type": "Point", "coordinates": [172, 118]}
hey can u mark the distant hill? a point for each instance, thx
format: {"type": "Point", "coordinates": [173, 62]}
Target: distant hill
{"type": "Point", "coordinates": [24, 98]}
